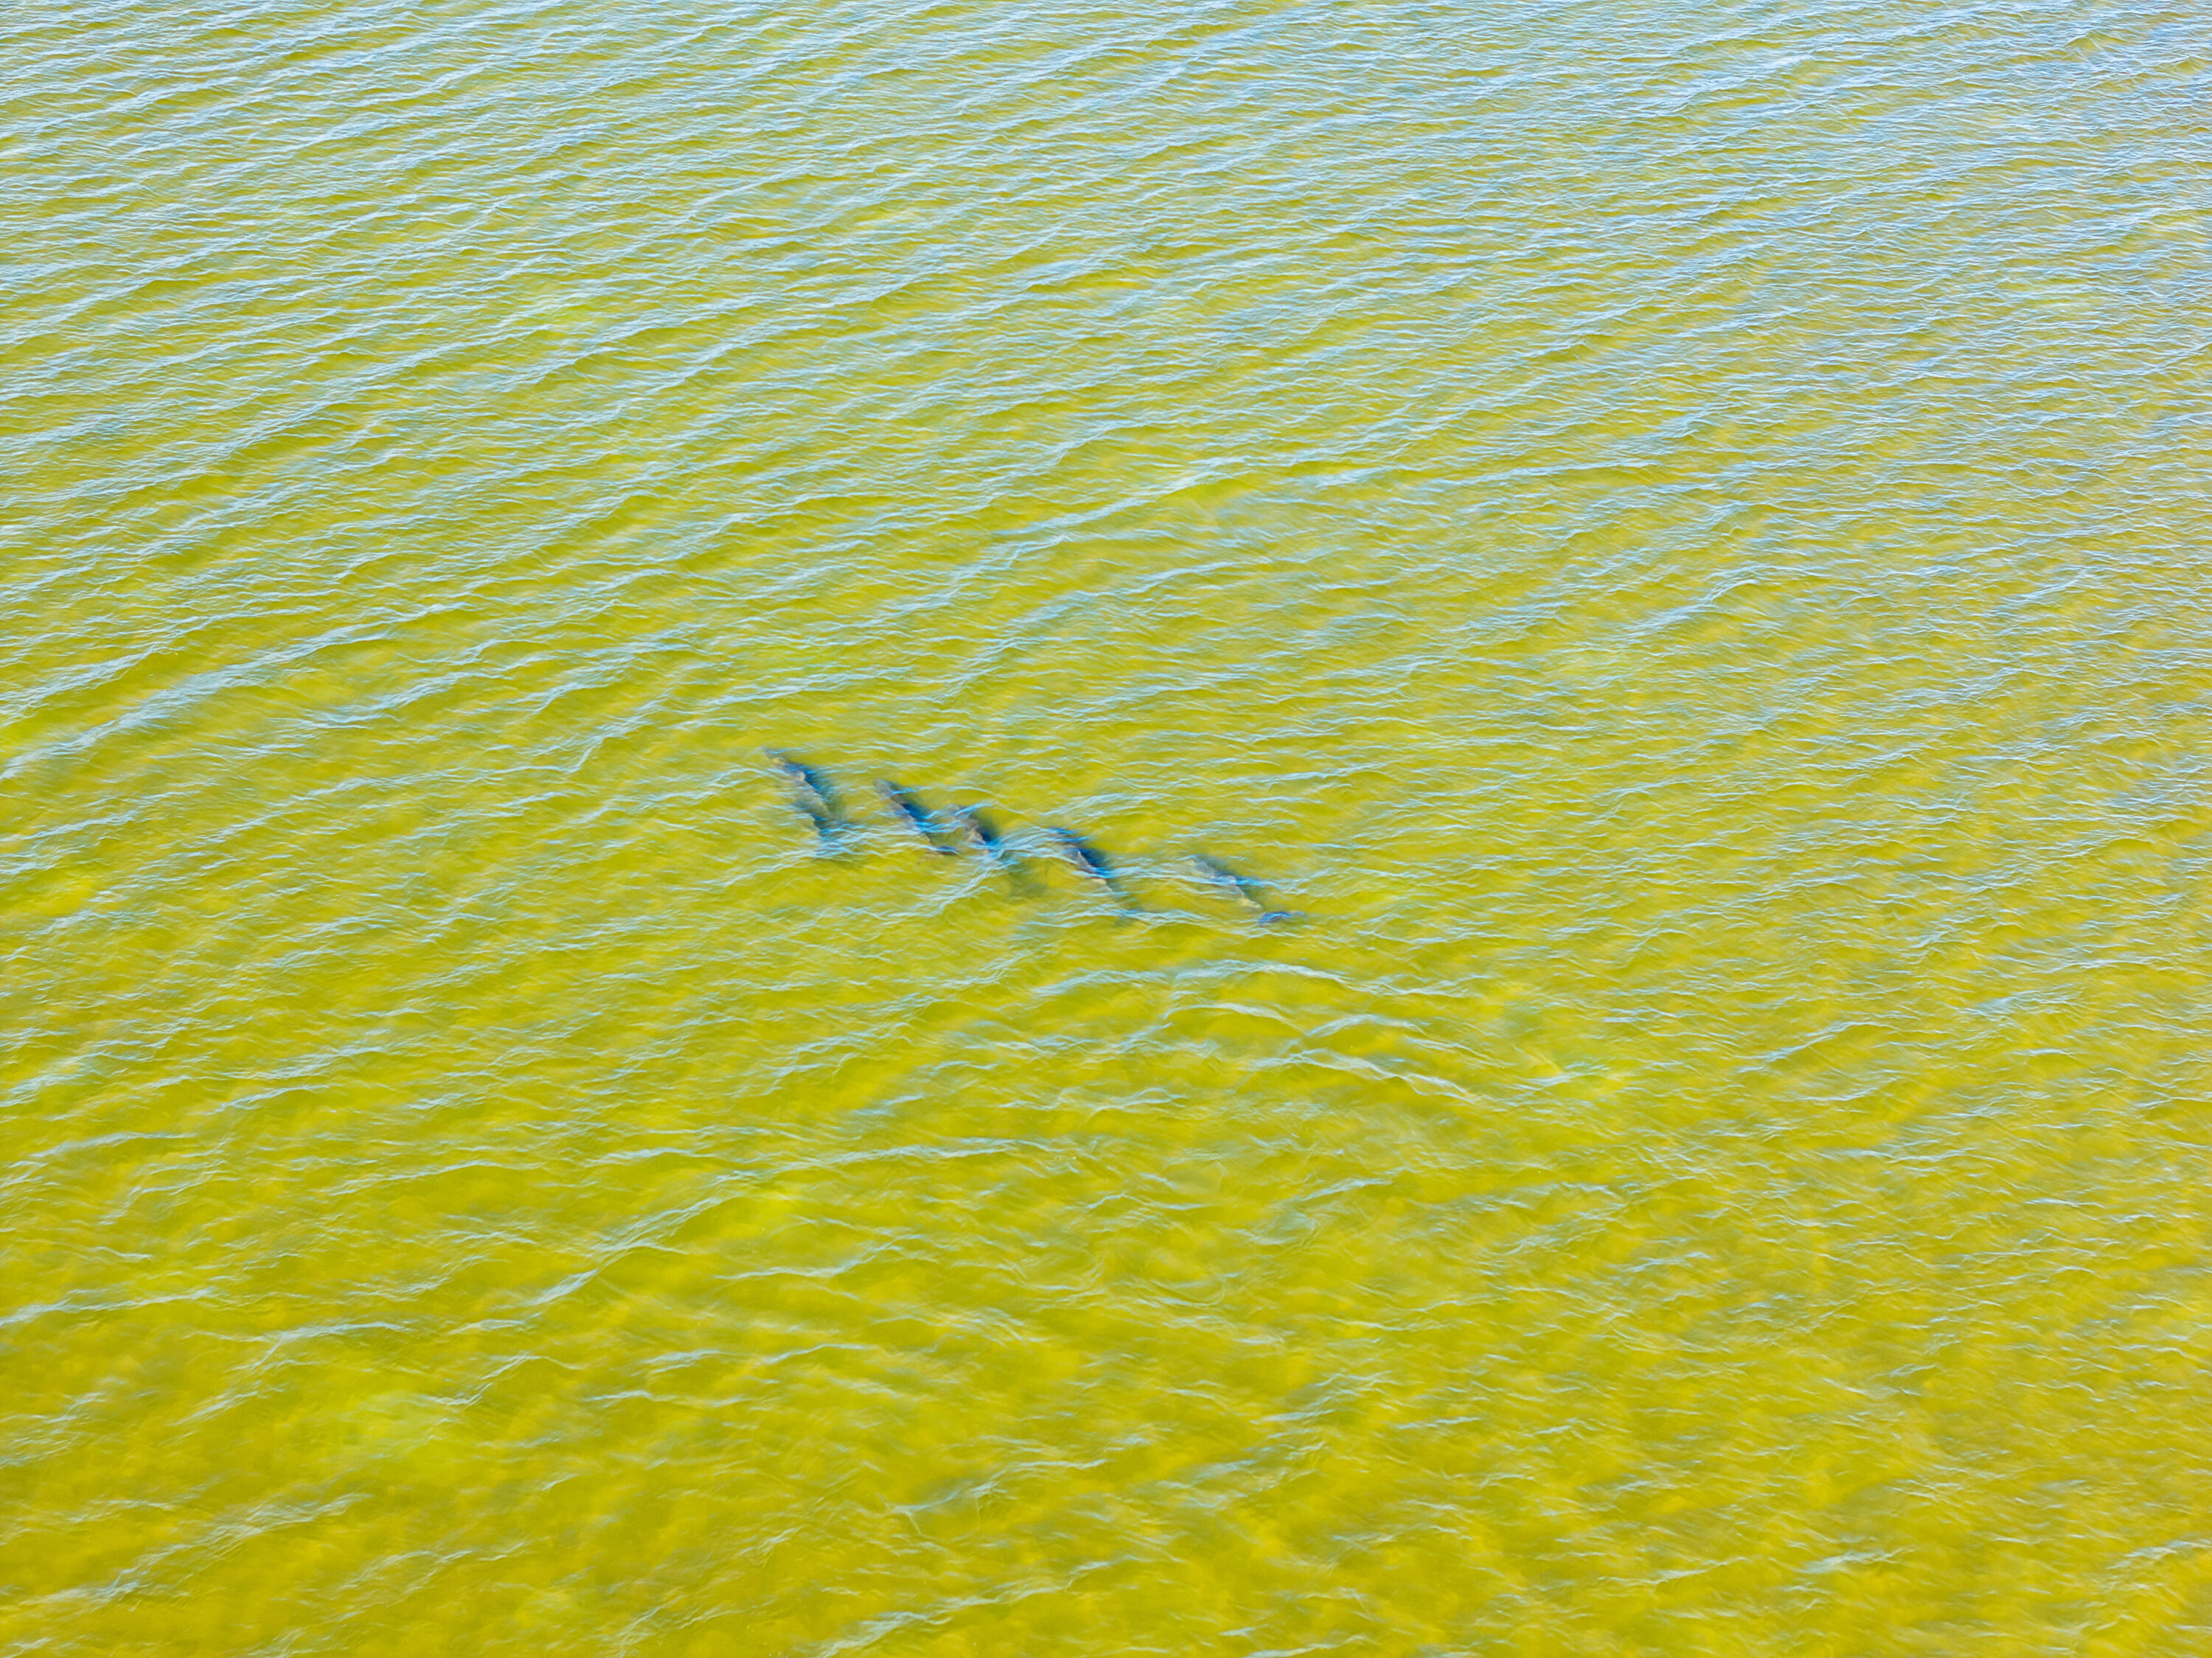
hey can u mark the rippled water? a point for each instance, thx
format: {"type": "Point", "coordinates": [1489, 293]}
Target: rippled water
{"type": "Point", "coordinates": [1674, 534]}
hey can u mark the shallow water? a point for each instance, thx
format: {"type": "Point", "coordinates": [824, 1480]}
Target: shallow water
{"type": "Point", "coordinates": [1673, 534]}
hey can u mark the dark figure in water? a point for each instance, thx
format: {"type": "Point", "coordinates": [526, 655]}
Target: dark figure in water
{"type": "Point", "coordinates": [812, 787]}
{"type": "Point", "coordinates": [1245, 890]}
{"type": "Point", "coordinates": [812, 798]}
{"type": "Point", "coordinates": [918, 816]}
{"type": "Point", "coordinates": [992, 844]}
{"type": "Point", "coordinates": [1092, 861]}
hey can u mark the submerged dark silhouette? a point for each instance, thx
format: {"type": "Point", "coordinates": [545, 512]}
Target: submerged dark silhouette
{"type": "Point", "coordinates": [1247, 892]}
{"type": "Point", "coordinates": [1093, 862]}
{"type": "Point", "coordinates": [947, 832]}
{"type": "Point", "coordinates": [991, 842]}
{"type": "Point", "coordinates": [918, 818]}
{"type": "Point", "coordinates": [805, 778]}
{"type": "Point", "coordinates": [829, 834]}
{"type": "Point", "coordinates": [984, 833]}
{"type": "Point", "coordinates": [813, 799]}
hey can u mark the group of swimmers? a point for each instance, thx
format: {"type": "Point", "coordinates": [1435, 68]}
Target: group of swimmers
{"type": "Point", "coordinates": [959, 828]}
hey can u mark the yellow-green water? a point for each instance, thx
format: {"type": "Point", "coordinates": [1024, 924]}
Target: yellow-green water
{"type": "Point", "coordinates": [1675, 534]}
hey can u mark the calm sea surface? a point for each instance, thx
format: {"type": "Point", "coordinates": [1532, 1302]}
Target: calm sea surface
{"type": "Point", "coordinates": [1674, 534]}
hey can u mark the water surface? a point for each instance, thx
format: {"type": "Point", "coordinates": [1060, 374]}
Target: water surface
{"type": "Point", "coordinates": [1673, 534]}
